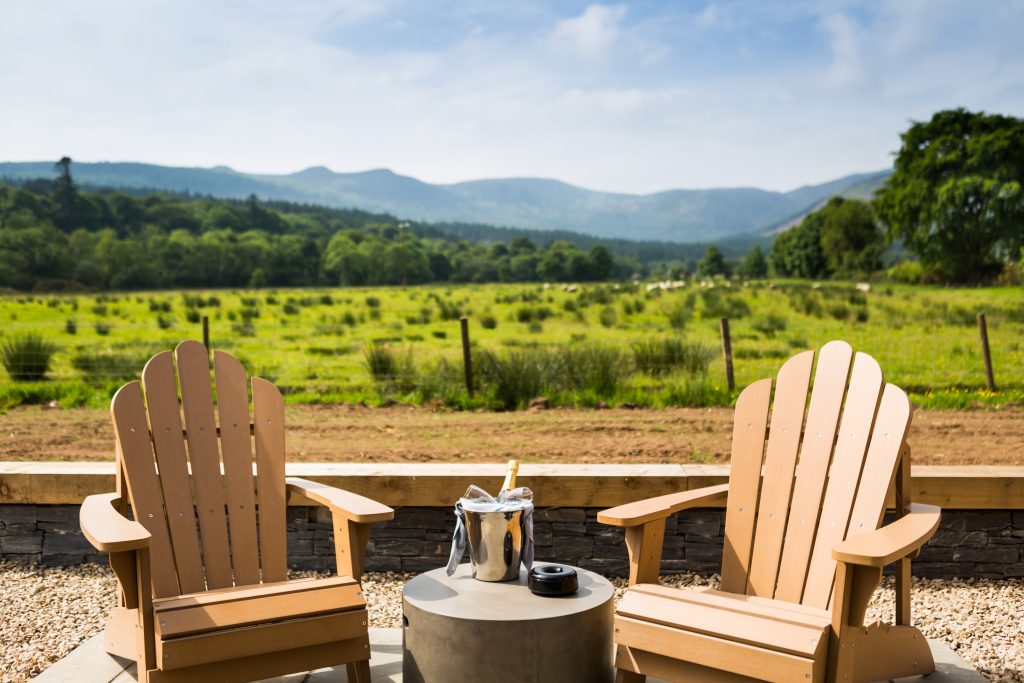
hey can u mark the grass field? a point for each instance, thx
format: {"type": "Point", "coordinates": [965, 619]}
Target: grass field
{"type": "Point", "coordinates": [600, 343]}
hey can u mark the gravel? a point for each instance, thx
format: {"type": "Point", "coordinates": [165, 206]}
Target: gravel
{"type": "Point", "coordinates": [50, 611]}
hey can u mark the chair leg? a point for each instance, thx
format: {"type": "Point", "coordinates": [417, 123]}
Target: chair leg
{"type": "Point", "coordinates": [623, 676]}
{"type": "Point", "coordinates": [358, 672]}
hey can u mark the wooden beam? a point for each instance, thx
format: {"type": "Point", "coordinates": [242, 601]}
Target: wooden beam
{"type": "Point", "coordinates": [438, 485]}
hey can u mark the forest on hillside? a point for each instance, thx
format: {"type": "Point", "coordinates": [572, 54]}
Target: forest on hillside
{"type": "Point", "coordinates": [55, 235]}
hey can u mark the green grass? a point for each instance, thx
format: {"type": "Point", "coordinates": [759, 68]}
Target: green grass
{"type": "Point", "coordinates": [313, 343]}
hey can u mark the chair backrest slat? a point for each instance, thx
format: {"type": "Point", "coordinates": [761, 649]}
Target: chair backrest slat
{"type": "Point", "coordinates": [779, 465]}
{"type": "Point", "coordinates": [830, 376]}
{"type": "Point", "coordinates": [161, 391]}
{"type": "Point", "coordinates": [862, 399]}
{"type": "Point", "coordinates": [268, 421]}
{"type": "Point", "coordinates": [135, 449]}
{"type": "Point", "coordinates": [236, 450]}
{"type": "Point", "coordinates": [204, 456]}
{"type": "Point", "coordinates": [749, 429]}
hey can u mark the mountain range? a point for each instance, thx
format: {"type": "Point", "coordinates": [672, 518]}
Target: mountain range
{"type": "Point", "coordinates": [534, 203]}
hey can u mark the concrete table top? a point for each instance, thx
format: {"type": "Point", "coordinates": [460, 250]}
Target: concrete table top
{"type": "Point", "coordinates": [460, 596]}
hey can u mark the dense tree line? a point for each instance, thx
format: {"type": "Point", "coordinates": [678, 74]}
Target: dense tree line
{"type": "Point", "coordinates": [53, 235]}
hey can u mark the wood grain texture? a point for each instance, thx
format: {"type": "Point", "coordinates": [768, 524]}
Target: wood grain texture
{"type": "Point", "coordinates": [131, 430]}
{"type": "Point", "coordinates": [830, 378]}
{"type": "Point", "coordinates": [177, 653]}
{"type": "Point", "coordinates": [193, 363]}
{"type": "Point", "coordinates": [788, 408]}
{"type": "Point", "coordinates": [161, 391]}
{"type": "Point", "coordinates": [749, 428]}
{"type": "Point", "coordinates": [772, 631]}
{"type": "Point", "coordinates": [236, 452]}
{"type": "Point", "coordinates": [844, 474]}
{"type": "Point", "coordinates": [107, 529]}
{"type": "Point", "coordinates": [268, 421]}
{"type": "Point", "coordinates": [718, 653]}
{"type": "Point", "coordinates": [261, 666]}
{"type": "Point", "coordinates": [278, 606]}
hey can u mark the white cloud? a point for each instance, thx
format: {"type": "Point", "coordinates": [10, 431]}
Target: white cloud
{"type": "Point", "coordinates": [594, 33]}
{"type": "Point", "coordinates": [264, 88]}
{"type": "Point", "coordinates": [847, 68]}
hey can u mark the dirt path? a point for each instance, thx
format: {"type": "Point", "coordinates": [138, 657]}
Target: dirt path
{"type": "Point", "coordinates": [403, 434]}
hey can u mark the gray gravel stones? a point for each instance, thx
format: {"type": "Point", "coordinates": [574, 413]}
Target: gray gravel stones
{"type": "Point", "coordinates": [50, 611]}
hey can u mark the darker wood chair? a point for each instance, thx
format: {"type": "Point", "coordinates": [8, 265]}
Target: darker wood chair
{"type": "Point", "coordinates": [204, 589]}
{"type": "Point", "coordinates": [803, 550]}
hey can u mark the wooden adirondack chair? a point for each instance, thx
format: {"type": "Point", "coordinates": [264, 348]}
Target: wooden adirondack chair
{"type": "Point", "coordinates": [202, 570]}
{"type": "Point", "coordinates": [803, 550]}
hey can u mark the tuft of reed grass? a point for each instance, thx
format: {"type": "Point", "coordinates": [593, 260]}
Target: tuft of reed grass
{"type": "Point", "coordinates": [661, 356]}
{"type": "Point", "coordinates": [26, 357]}
{"type": "Point", "coordinates": [391, 369]}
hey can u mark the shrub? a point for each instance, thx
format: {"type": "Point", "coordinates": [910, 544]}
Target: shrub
{"type": "Point", "coordinates": [27, 357]}
{"type": "Point", "coordinates": [608, 317]}
{"type": "Point", "coordinates": [99, 309]}
{"type": "Point", "coordinates": [326, 300]}
{"type": "Point", "coordinates": [439, 334]}
{"type": "Point", "coordinates": [527, 314]}
{"type": "Point", "coordinates": [770, 325]}
{"type": "Point", "coordinates": [164, 323]}
{"type": "Point", "coordinates": [535, 327]}
{"type": "Point", "coordinates": [290, 309]}
{"type": "Point", "coordinates": [717, 305]}
{"type": "Point", "coordinates": [445, 380]}
{"type": "Point", "coordinates": [159, 306]}
{"type": "Point", "coordinates": [679, 316]}
{"type": "Point", "coordinates": [488, 322]}
{"type": "Point", "coordinates": [193, 316]}
{"type": "Point", "coordinates": [102, 329]}
{"type": "Point", "coordinates": [71, 326]}
{"type": "Point", "coordinates": [661, 356]}
{"type": "Point", "coordinates": [372, 302]}
{"type": "Point", "coordinates": [349, 319]}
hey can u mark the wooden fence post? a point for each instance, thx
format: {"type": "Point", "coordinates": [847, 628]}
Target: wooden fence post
{"type": "Point", "coordinates": [983, 331]}
{"type": "Point", "coordinates": [727, 353]}
{"type": "Point", "coordinates": [206, 332]}
{"type": "Point", "coordinates": [467, 357]}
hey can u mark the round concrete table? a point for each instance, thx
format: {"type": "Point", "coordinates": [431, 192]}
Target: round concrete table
{"type": "Point", "coordinates": [459, 629]}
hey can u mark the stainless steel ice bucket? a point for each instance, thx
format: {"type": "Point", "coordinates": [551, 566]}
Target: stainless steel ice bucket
{"type": "Point", "coordinates": [495, 543]}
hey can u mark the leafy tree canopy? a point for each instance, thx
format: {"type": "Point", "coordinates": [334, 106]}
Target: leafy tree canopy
{"type": "Point", "coordinates": [839, 239]}
{"type": "Point", "coordinates": [956, 197]}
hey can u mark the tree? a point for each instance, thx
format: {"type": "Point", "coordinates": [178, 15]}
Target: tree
{"type": "Point", "coordinates": [754, 264]}
{"type": "Point", "coordinates": [65, 196]}
{"type": "Point", "coordinates": [602, 262]}
{"type": "Point", "coordinates": [711, 263]}
{"type": "Point", "coordinates": [956, 197]}
{"type": "Point", "coordinates": [840, 238]}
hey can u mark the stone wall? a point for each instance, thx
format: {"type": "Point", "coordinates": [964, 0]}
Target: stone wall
{"type": "Point", "coordinates": [981, 544]}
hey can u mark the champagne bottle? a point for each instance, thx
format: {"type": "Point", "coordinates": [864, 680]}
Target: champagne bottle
{"type": "Point", "coordinates": [510, 476]}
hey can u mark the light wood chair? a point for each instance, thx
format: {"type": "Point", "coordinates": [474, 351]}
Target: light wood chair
{"type": "Point", "coordinates": [803, 551]}
{"type": "Point", "coordinates": [204, 589]}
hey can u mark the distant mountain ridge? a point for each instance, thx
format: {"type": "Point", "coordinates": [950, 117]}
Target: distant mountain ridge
{"type": "Point", "coordinates": [535, 203]}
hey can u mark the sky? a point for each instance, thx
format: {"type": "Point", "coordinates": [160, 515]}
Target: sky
{"type": "Point", "coordinates": [633, 97]}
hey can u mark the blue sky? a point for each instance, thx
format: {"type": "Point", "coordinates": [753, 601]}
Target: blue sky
{"type": "Point", "coordinates": [631, 97]}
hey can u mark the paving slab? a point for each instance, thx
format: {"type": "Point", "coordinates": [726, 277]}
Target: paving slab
{"type": "Point", "coordinates": [89, 663]}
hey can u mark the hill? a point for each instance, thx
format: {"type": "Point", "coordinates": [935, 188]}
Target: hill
{"type": "Point", "coordinates": [533, 203]}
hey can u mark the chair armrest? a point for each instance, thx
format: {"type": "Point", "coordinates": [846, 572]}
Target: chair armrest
{"type": "Point", "coordinates": [353, 507]}
{"type": "Point", "coordinates": [893, 541]}
{"type": "Point", "coordinates": [643, 511]}
{"type": "Point", "coordinates": [107, 529]}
